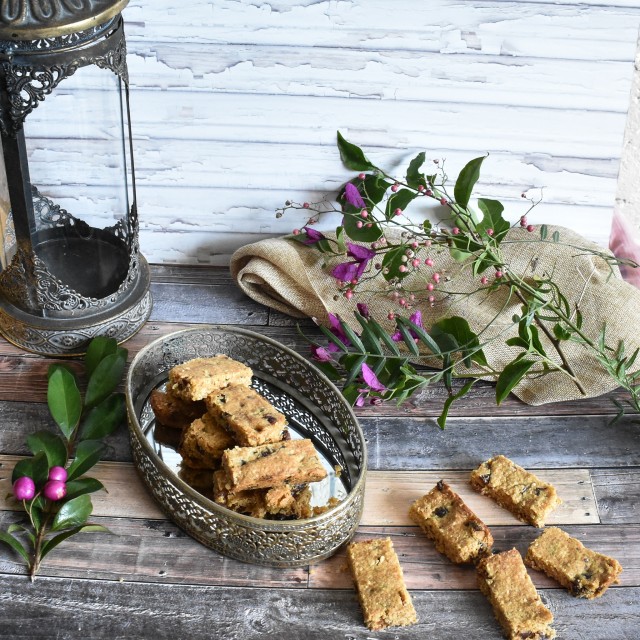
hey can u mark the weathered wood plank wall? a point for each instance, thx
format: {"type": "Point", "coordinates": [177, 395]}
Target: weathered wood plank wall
{"type": "Point", "coordinates": [235, 105]}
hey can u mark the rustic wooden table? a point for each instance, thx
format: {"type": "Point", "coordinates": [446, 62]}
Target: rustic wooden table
{"type": "Point", "coordinates": [150, 580]}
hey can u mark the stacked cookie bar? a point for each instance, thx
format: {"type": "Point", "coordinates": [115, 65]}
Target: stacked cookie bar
{"type": "Point", "coordinates": [235, 445]}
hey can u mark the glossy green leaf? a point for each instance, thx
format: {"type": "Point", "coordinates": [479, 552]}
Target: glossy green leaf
{"type": "Point", "coordinates": [73, 513]}
{"type": "Point", "coordinates": [362, 234]}
{"type": "Point", "coordinates": [106, 377]}
{"type": "Point", "coordinates": [52, 444]}
{"type": "Point", "coordinates": [423, 336]}
{"type": "Point", "coordinates": [373, 188]}
{"type": "Point", "coordinates": [492, 219]}
{"type": "Point", "coordinates": [399, 200]}
{"type": "Point", "coordinates": [352, 156]}
{"type": "Point", "coordinates": [99, 348]}
{"type": "Point", "coordinates": [81, 486]}
{"type": "Point", "coordinates": [64, 400]}
{"type": "Point", "coordinates": [105, 418]}
{"type": "Point", "coordinates": [466, 339]}
{"type": "Point", "coordinates": [88, 452]}
{"type": "Point", "coordinates": [510, 376]}
{"type": "Point", "coordinates": [414, 177]}
{"type": "Point", "coordinates": [14, 544]}
{"type": "Point", "coordinates": [442, 418]}
{"type": "Point", "coordinates": [467, 180]}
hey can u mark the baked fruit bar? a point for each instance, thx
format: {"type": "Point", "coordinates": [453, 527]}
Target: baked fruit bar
{"type": "Point", "coordinates": [517, 490]}
{"type": "Point", "coordinates": [585, 573]}
{"type": "Point", "coordinates": [504, 580]}
{"type": "Point", "coordinates": [252, 419]}
{"type": "Point", "coordinates": [174, 412]}
{"type": "Point", "coordinates": [456, 531]}
{"type": "Point", "coordinates": [203, 443]}
{"type": "Point", "coordinates": [379, 582]}
{"type": "Point", "coordinates": [199, 479]}
{"type": "Point", "coordinates": [290, 461]}
{"type": "Point", "coordinates": [196, 379]}
{"type": "Point", "coordinates": [283, 501]}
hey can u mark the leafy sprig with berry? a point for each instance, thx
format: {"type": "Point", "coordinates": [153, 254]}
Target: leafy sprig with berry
{"type": "Point", "coordinates": [373, 364]}
{"type": "Point", "coordinates": [50, 486]}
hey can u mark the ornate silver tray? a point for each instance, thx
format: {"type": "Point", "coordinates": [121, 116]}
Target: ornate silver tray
{"type": "Point", "coordinates": [314, 408]}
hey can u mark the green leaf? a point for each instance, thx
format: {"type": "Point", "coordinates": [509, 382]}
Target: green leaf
{"type": "Point", "coordinates": [52, 543]}
{"type": "Point", "coordinates": [15, 544]}
{"type": "Point", "coordinates": [73, 513]}
{"type": "Point", "coordinates": [81, 486]}
{"type": "Point", "coordinates": [362, 234]}
{"type": "Point", "coordinates": [351, 335]}
{"type": "Point", "coordinates": [555, 236]}
{"type": "Point", "coordinates": [106, 377]}
{"type": "Point", "coordinates": [409, 340]}
{"type": "Point", "coordinates": [466, 339]}
{"type": "Point", "coordinates": [104, 419]}
{"type": "Point", "coordinates": [442, 419]}
{"type": "Point", "coordinates": [353, 365]}
{"type": "Point", "coordinates": [414, 177]}
{"type": "Point", "coordinates": [88, 452]}
{"type": "Point", "coordinates": [368, 337]}
{"type": "Point", "coordinates": [64, 400]}
{"type": "Point", "coordinates": [561, 333]}
{"type": "Point", "coordinates": [399, 200]}
{"type": "Point", "coordinates": [333, 338]}
{"type": "Point", "coordinates": [392, 261]}
{"type": "Point", "coordinates": [510, 376]}
{"type": "Point", "coordinates": [424, 337]}
{"type": "Point", "coordinates": [467, 180]}
{"type": "Point", "coordinates": [544, 231]}
{"type": "Point", "coordinates": [492, 218]}
{"type": "Point", "coordinates": [52, 444]}
{"type": "Point", "coordinates": [373, 189]}
{"type": "Point", "coordinates": [384, 336]}
{"type": "Point", "coordinates": [23, 529]}
{"type": "Point", "coordinates": [353, 156]}
{"type": "Point", "coordinates": [460, 256]}
{"type": "Point", "coordinates": [99, 348]}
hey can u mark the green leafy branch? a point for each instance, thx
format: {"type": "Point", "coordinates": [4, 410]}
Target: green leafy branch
{"type": "Point", "coordinates": [51, 486]}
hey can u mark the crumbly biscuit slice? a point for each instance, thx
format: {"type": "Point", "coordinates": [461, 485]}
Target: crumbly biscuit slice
{"type": "Point", "coordinates": [174, 412]}
{"type": "Point", "coordinates": [203, 443]}
{"type": "Point", "coordinates": [249, 502]}
{"type": "Point", "coordinates": [517, 490]}
{"type": "Point", "coordinates": [290, 461]}
{"type": "Point", "coordinates": [504, 580]}
{"type": "Point", "coordinates": [196, 379]}
{"type": "Point", "coordinates": [585, 573]}
{"type": "Point", "coordinates": [456, 531]}
{"type": "Point", "coordinates": [379, 581]}
{"type": "Point", "coordinates": [250, 417]}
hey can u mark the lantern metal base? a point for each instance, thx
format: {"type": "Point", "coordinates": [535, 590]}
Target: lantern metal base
{"type": "Point", "coordinates": [71, 336]}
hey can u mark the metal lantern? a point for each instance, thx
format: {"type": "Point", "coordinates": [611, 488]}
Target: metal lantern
{"type": "Point", "coordinates": [70, 262]}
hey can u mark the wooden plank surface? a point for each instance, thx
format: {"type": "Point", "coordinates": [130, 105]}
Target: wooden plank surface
{"type": "Point", "coordinates": [150, 579]}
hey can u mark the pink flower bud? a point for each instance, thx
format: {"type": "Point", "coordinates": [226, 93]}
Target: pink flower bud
{"type": "Point", "coordinates": [58, 473]}
{"type": "Point", "coordinates": [54, 490]}
{"type": "Point", "coordinates": [24, 488]}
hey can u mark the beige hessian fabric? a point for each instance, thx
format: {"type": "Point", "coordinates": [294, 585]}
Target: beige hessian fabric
{"type": "Point", "coordinates": [290, 277]}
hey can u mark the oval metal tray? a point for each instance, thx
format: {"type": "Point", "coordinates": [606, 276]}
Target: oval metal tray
{"type": "Point", "coordinates": [314, 408]}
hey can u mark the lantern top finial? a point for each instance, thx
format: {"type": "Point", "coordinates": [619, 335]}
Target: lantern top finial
{"type": "Point", "coordinates": [33, 19]}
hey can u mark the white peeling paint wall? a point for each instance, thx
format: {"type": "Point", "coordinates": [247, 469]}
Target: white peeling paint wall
{"type": "Point", "coordinates": [236, 103]}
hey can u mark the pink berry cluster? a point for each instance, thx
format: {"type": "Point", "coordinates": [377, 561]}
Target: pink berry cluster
{"type": "Point", "coordinates": [54, 489]}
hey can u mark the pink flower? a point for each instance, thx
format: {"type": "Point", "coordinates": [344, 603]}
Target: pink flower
{"type": "Point", "coordinates": [313, 236]}
{"type": "Point", "coordinates": [353, 270]}
{"type": "Point", "coordinates": [336, 329]}
{"type": "Point", "coordinates": [353, 197]}
{"type": "Point", "coordinates": [363, 309]}
{"type": "Point", "coordinates": [416, 318]}
{"type": "Point", "coordinates": [320, 354]}
{"type": "Point", "coordinates": [372, 384]}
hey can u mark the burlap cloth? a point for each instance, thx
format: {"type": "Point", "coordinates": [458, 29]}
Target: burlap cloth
{"type": "Point", "coordinates": [292, 278]}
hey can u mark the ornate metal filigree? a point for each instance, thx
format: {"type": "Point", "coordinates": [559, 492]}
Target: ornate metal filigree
{"type": "Point", "coordinates": [29, 79]}
{"type": "Point", "coordinates": [322, 414]}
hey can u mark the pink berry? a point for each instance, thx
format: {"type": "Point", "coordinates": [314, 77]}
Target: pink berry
{"type": "Point", "coordinates": [436, 277]}
{"type": "Point", "coordinates": [484, 280]}
{"type": "Point", "coordinates": [415, 263]}
{"type": "Point", "coordinates": [296, 232]}
{"type": "Point", "coordinates": [402, 302]}
{"type": "Point", "coordinates": [429, 192]}
{"type": "Point", "coordinates": [432, 298]}
{"type": "Point", "coordinates": [498, 274]}
{"type": "Point", "coordinates": [489, 232]}
{"type": "Point", "coordinates": [391, 315]}
{"type": "Point", "coordinates": [58, 473]}
{"type": "Point", "coordinates": [24, 488]}
{"type": "Point", "coordinates": [364, 213]}
{"type": "Point", "coordinates": [359, 224]}
{"type": "Point", "coordinates": [455, 231]}
{"type": "Point", "coordinates": [420, 188]}
{"type": "Point", "coordinates": [523, 221]}
{"type": "Point", "coordinates": [530, 228]}
{"type": "Point", "coordinates": [429, 262]}
{"type": "Point", "coordinates": [430, 286]}
{"type": "Point", "coordinates": [443, 201]}
{"type": "Point", "coordinates": [395, 187]}
{"type": "Point", "coordinates": [397, 212]}
{"type": "Point", "coordinates": [402, 268]}
{"type": "Point", "coordinates": [306, 205]}
{"type": "Point", "coordinates": [54, 490]}
{"type": "Point", "coordinates": [362, 176]}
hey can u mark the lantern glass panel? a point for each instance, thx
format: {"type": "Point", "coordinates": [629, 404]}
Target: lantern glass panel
{"type": "Point", "coordinates": [78, 151]}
